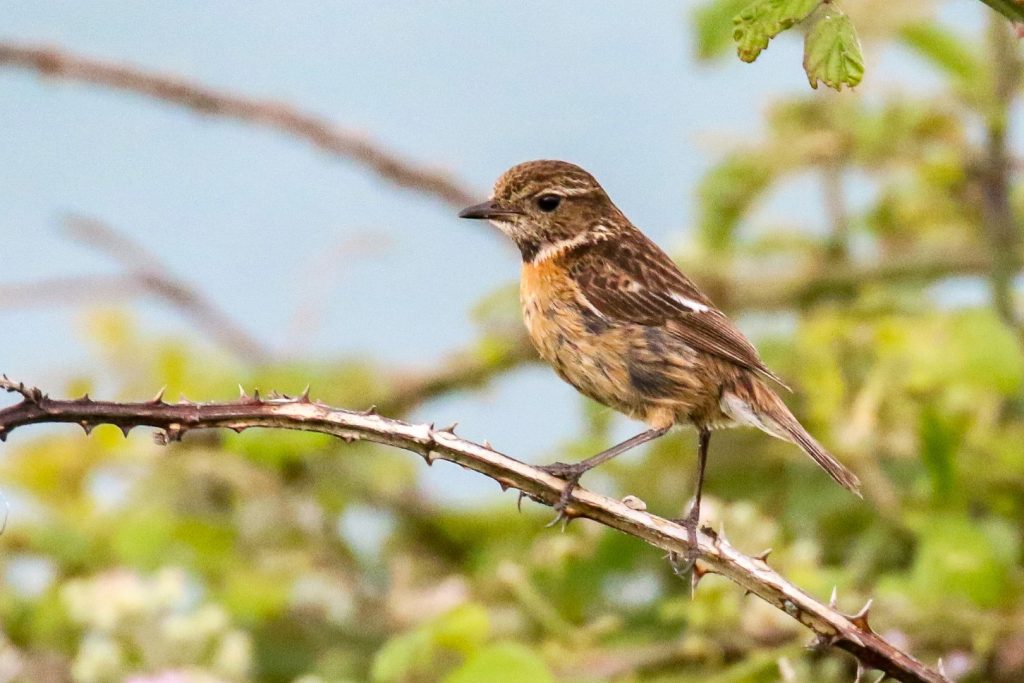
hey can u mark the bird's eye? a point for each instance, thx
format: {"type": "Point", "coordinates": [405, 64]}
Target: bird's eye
{"type": "Point", "coordinates": [548, 202]}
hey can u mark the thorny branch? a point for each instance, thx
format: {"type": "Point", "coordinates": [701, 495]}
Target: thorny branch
{"type": "Point", "coordinates": [831, 627]}
{"type": "Point", "coordinates": [348, 144]}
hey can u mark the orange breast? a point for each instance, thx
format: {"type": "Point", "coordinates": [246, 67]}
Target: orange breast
{"type": "Point", "coordinates": [612, 363]}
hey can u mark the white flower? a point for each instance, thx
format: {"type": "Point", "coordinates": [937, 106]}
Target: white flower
{"type": "Point", "coordinates": [99, 660]}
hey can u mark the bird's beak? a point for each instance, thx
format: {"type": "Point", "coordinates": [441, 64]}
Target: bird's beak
{"type": "Point", "coordinates": [491, 209]}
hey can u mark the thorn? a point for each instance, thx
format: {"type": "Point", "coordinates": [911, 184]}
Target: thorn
{"type": "Point", "coordinates": [3, 434]}
{"type": "Point", "coordinates": [860, 619]}
{"type": "Point", "coordinates": [348, 438]}
{"type": "Point", "coordinates": [304, 398]}
{"type": "Point", "coordinates": [430, 456]}
{"type": "Point", "coordinates": [274, 395]}
{"type": "Point", "coordinates": [503, 484]}
{"type": "Point", "coordinates": [833, 601]}
{"type": "Point", "coordinates": [125, 429]}
{"type": "Point", "coordinates": [242, 396]}
{"type": "Point", "coordinates": [430, 427]}
{"type": "Point", "coordinates": [238, 430]}
{"type": "Point", "coordinates": [487, 445]}
{"type": "Point", "coordinates": [519, 500]}
{"type": "Point", "coordinates": [182, 399]}
{"type": "Point", "coordinates": [372, 410]}
{"type": "Point", "coordinates": [86, 427]}
{"type": "Point", "coordinates": [85, 398]}
{"type": "Point", "coordinates": [450, 428]}
{"type": "Point", "coordinates": [256, 396]}
{"type": "Point", "coordinates": [697, 572]}
{"type": "Point", "coordinates": [159, 398]}
{"type": "Point", "coordinates": [763, 555]}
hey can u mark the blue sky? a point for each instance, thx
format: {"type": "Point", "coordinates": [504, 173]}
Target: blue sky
{"type": "Point", "coordinates": [243, 213]}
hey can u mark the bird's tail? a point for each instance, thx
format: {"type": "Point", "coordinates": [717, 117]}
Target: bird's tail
{"type": "Point", "coordinates": [749, 401]}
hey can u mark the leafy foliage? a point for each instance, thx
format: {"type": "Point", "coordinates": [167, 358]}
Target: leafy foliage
{"type": "Point", "coordinates": [762, 20]}
{"type": "Point", "coordinates": [292, 557]}
{"type": "Point", "coordinates": [832, 51]}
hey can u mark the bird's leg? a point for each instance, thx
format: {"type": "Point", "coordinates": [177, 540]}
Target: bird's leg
{"type": "Point", "coordinates": [571, 473]}
{"type": "Point", "coordinates": [692, 520]}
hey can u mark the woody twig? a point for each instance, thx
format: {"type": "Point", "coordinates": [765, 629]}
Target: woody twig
{"type": "Point", "coordinates": [281, 116]}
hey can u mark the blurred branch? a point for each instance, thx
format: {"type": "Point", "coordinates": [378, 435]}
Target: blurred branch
{"type": "Point", "coordinates": [850, 633]}
{"type": "Point", "coordinates": [993, 176]}
{"type": "Point", "coordinates": [839, 281]}
{"type": "Point", "coordinates": [145, 274]}
{"type": "Point", "coordinates": [475, 367]}
{"type": "Point", "coordinates": [470, 369]}
{"type": "Point", "coordinates": [835, 206]}
{"type": "Point", "coordinates": [466, 370]}
{"type": "Point", "coordinates": [54, 62]}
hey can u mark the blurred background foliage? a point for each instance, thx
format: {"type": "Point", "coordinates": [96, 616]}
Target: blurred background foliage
{"type": "Point", "coordinates": [293, 557]}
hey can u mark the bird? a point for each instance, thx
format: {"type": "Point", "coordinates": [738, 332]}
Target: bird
{"type": "Point", "coordinates": [615, 317]}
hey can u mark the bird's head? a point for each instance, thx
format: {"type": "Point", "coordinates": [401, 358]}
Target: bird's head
{"type": "Point", "coordinates": [543, 205]}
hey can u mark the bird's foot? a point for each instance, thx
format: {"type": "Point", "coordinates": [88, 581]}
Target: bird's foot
{"type": "Point", "coordinates": [571, 475]}
{"type": "Point", "coordinates": [683, 563]}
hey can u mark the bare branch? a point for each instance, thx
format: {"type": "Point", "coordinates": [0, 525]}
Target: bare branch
{"type": "Point", "coordinates": [806, 289]}
{"type": "Point", "coordinates": [471, 369]}
{"type": "Point", "coordinates": [992, 176]}
{"type": "Point", "coordinates": [850, 633]}
{"type": "Point", "coordinates": [465, 370]}
{"type": "Point", "coordinates": [348, 144]}
{"type": "Point", "coordinates": [145, 275]}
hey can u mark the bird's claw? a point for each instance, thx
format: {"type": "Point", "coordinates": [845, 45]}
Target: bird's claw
{"type": "Point", "coordinates": [571, 475]}
{"type": "Point", "coordinates": [683, 563]}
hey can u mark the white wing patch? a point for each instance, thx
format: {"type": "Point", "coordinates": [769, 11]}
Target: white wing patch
{"type": "Point", "coordinates": [695, 306]}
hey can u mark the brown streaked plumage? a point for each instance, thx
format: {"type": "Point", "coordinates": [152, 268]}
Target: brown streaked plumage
{"type": "Point", "coordinates": [615, 317]}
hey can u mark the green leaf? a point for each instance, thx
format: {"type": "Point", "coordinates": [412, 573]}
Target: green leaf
{"type": "Point", "coordinates": [832, 51]}
{"type": "Point", "coordinates": [503, 663]}
{"type": "Point", "coordinates": [961, 558]}
{"type": "Point", "coordinates": [464, 629]}
{"type": "Point", "coordinates": [713, 25]}
{"type": "Point", "coordinates": [762, 20]}
{"type": "Point", "coordinates": [401, 656]}
{"type": "Point", "coordinates": [943, 49]}
{"type": "Point", "coordinates": [726, 193]}
{"type": "Point", "coordinates": [941, 436]}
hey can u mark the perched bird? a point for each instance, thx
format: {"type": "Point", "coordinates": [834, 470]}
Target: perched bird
{"type": "Point", "coordinates": [616, 318]}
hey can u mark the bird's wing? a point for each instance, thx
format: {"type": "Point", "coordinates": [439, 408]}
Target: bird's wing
{"type": "Point", "coordinates": [633, 280]}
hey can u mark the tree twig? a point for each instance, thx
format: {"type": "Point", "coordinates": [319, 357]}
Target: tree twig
{"type": "Point", "coordinates": [348, 144]}
{"type": "Point", "coordinates": [472, 368]}
{"type": "Point", "coordinates": [850, 633]}
{"type": "Point", "coordinates": [993, 177]}
{"type": "Point", "coordinates": [145, 273]}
